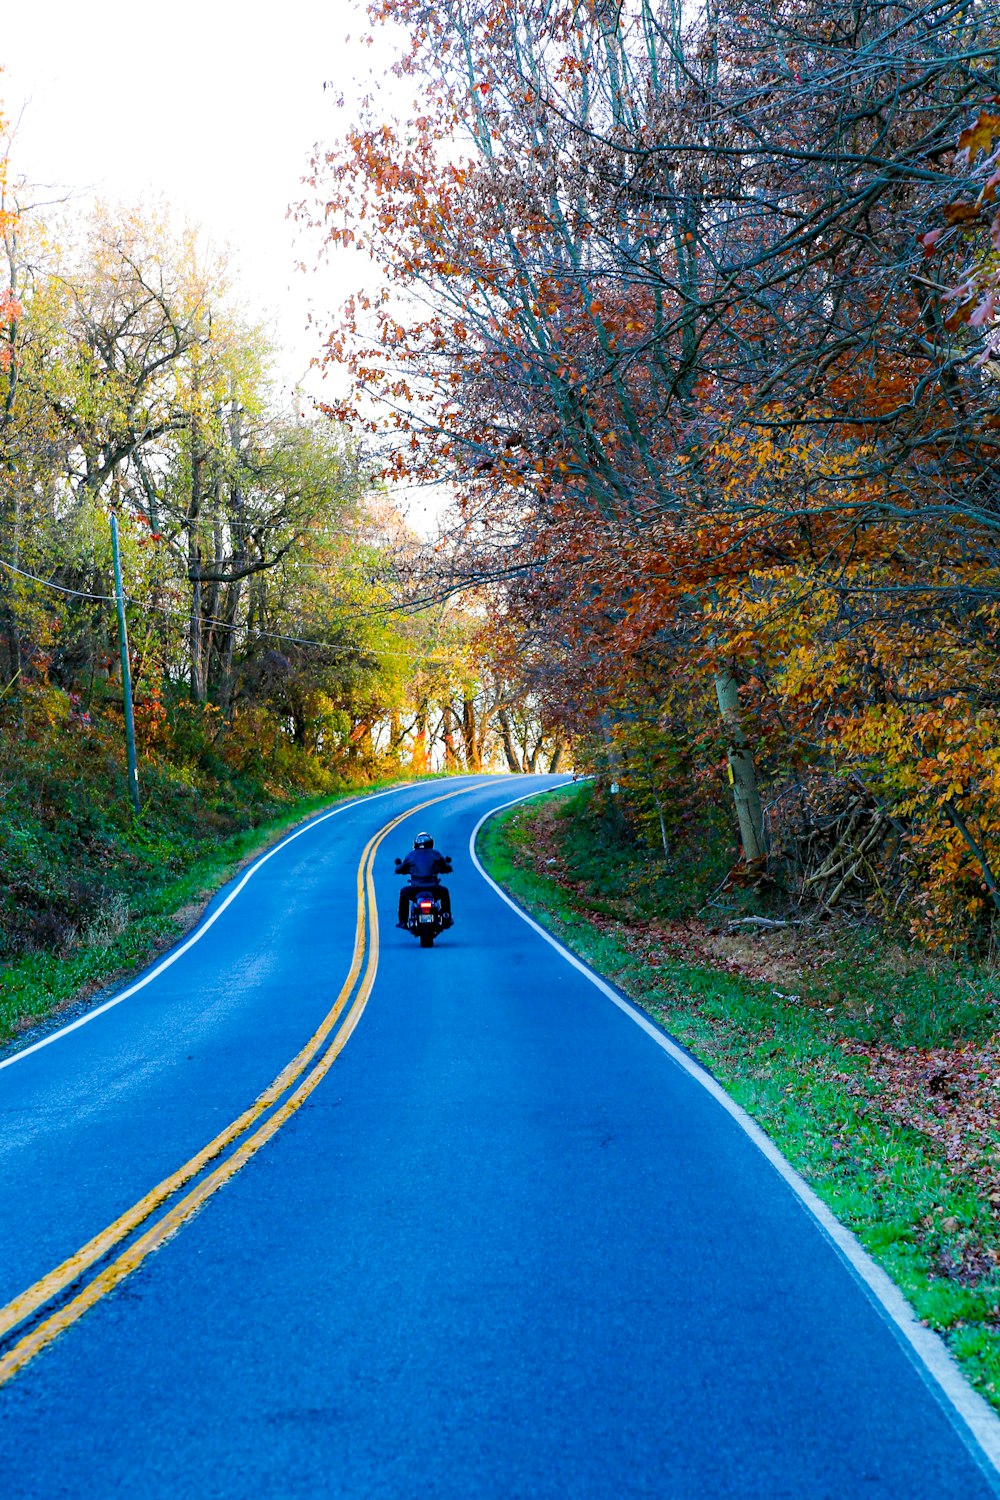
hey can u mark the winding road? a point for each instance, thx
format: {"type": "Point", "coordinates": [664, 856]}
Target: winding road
{"type": "Point", "coordinates": [309, 1211]}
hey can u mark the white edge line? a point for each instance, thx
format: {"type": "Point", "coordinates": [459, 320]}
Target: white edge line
{"type": "Point", "coordinates": [199, 932]}
{"type": "Point", "coordinates": [930, 1351]}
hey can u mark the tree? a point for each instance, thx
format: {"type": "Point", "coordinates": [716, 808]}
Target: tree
{"type": "Point", "coordinates": [676, 341]}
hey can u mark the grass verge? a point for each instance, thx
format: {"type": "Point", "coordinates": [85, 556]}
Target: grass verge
{"type": "Point", "coordinates": [117, 944]}
{"type": "Point", "coordinates": [874, 1071]}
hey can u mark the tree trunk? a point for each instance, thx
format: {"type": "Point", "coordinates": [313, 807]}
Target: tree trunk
{"type": "Point", "coordinates": [227, 646]}
{"type": "Point", "coordinates": [13, 664]}
{"type": "Point", "coordinates": [449, 724]}
{"type": "Point", "coordinates": [470, 740]}
{"type": "Point", "coordinates": [742, 772]}
{"type": "Point", "coordinates": [395, 733]}
{"type": "Point", "coordinates": [657, 803]}
{"type": "Point", "coordinates": [507, 738]}
{"type": "Point", "coordinates": [359, 740]}
{"type": "Point", "coordinates": [9, 628]}
{"type": "Point", "coordinates": [975, 849]}
{"type": "Point", "coordinates": [196, 646]}
{"type": "Point", "coordinates": [196, 653]}
{"type": "Point", "coordinates": [420, 759]}
{"type": "Point", "coordinates": [238, 532]}
{"type": "Point", "coordinates": [611, 751]}
{"type": "Point", "coordinates": [212, 645]}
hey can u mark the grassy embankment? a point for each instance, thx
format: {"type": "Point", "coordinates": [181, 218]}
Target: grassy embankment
{"type": "Point", "coordinates": [874, 1068]}
{"type": "Point", "coordinates": [88, 892]}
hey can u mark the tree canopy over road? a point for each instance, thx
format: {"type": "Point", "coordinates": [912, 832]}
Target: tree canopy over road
{"type": "Point", "coordinates": [695, 307]}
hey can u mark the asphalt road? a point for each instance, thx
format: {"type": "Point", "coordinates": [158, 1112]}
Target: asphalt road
{"type": "Point", "coordinates": [491, 1239]}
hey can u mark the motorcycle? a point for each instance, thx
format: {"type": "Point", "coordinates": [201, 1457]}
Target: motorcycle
{"type": "Point", "coordinates": [426, 916]}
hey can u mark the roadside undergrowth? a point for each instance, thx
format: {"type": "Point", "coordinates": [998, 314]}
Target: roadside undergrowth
{"type": "Point", "coordinates": [124, 936]}
{"type": "Point", "coordinates": [874, 1067]}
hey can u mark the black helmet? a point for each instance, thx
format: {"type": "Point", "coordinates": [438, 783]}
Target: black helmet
{"type": "Point", "coordinates": [423, 841]}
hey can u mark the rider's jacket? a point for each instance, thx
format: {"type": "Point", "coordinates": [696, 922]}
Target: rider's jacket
{"type": "Point", "coordinates": [423, 866]}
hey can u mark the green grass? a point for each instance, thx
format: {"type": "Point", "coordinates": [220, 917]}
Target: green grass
{"type": "Point", "coordinates": [118, 943]}
{"type": "Point", "coordinates": [778, 1056]}
{"type": "Point", "coordinates": [90, 891]}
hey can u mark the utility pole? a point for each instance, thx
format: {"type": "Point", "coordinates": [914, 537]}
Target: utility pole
{"type": "Point", "coordinates": [133, 769]}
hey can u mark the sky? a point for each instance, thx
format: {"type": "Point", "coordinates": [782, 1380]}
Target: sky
{"type": "Point", "coordinates": [210, 104]}
{"type": "Point", "coordinates": [214, 106]}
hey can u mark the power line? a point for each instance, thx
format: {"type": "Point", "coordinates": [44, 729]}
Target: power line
{"type": "Point", "coordinates": [46, 583]}
{"type": "Point", "coordinates": [177, 614]}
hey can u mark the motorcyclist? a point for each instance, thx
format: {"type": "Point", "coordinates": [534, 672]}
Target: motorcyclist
{"type": "Point", "coordinates": [423, 865]}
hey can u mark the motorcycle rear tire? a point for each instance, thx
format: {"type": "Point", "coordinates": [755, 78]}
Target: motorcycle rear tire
{"type": "Point", "coordinates": [427, 940]}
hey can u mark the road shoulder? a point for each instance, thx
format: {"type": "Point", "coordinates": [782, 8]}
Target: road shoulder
{"type": "Point", "coordinates": [829, 1113]}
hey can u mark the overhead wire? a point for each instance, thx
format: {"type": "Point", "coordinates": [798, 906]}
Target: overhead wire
{"type": "Point", "coordinates": [211, 620]}
{"type": "Point", "coordinates": [47, 583]}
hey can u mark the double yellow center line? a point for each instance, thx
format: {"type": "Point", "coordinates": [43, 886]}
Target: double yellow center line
{"type": "Point", "coordinates": [39, 1314]}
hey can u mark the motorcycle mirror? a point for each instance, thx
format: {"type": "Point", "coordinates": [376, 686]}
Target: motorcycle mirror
{"type": "Point", "coordinates": [397, 862]}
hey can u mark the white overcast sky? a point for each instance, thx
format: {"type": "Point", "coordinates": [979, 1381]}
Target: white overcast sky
{"type": "Point", "coordinates": [210, 104]}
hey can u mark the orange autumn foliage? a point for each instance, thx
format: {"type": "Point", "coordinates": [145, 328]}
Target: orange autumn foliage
{"type": "Point", "coordinates": [700, 411]}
